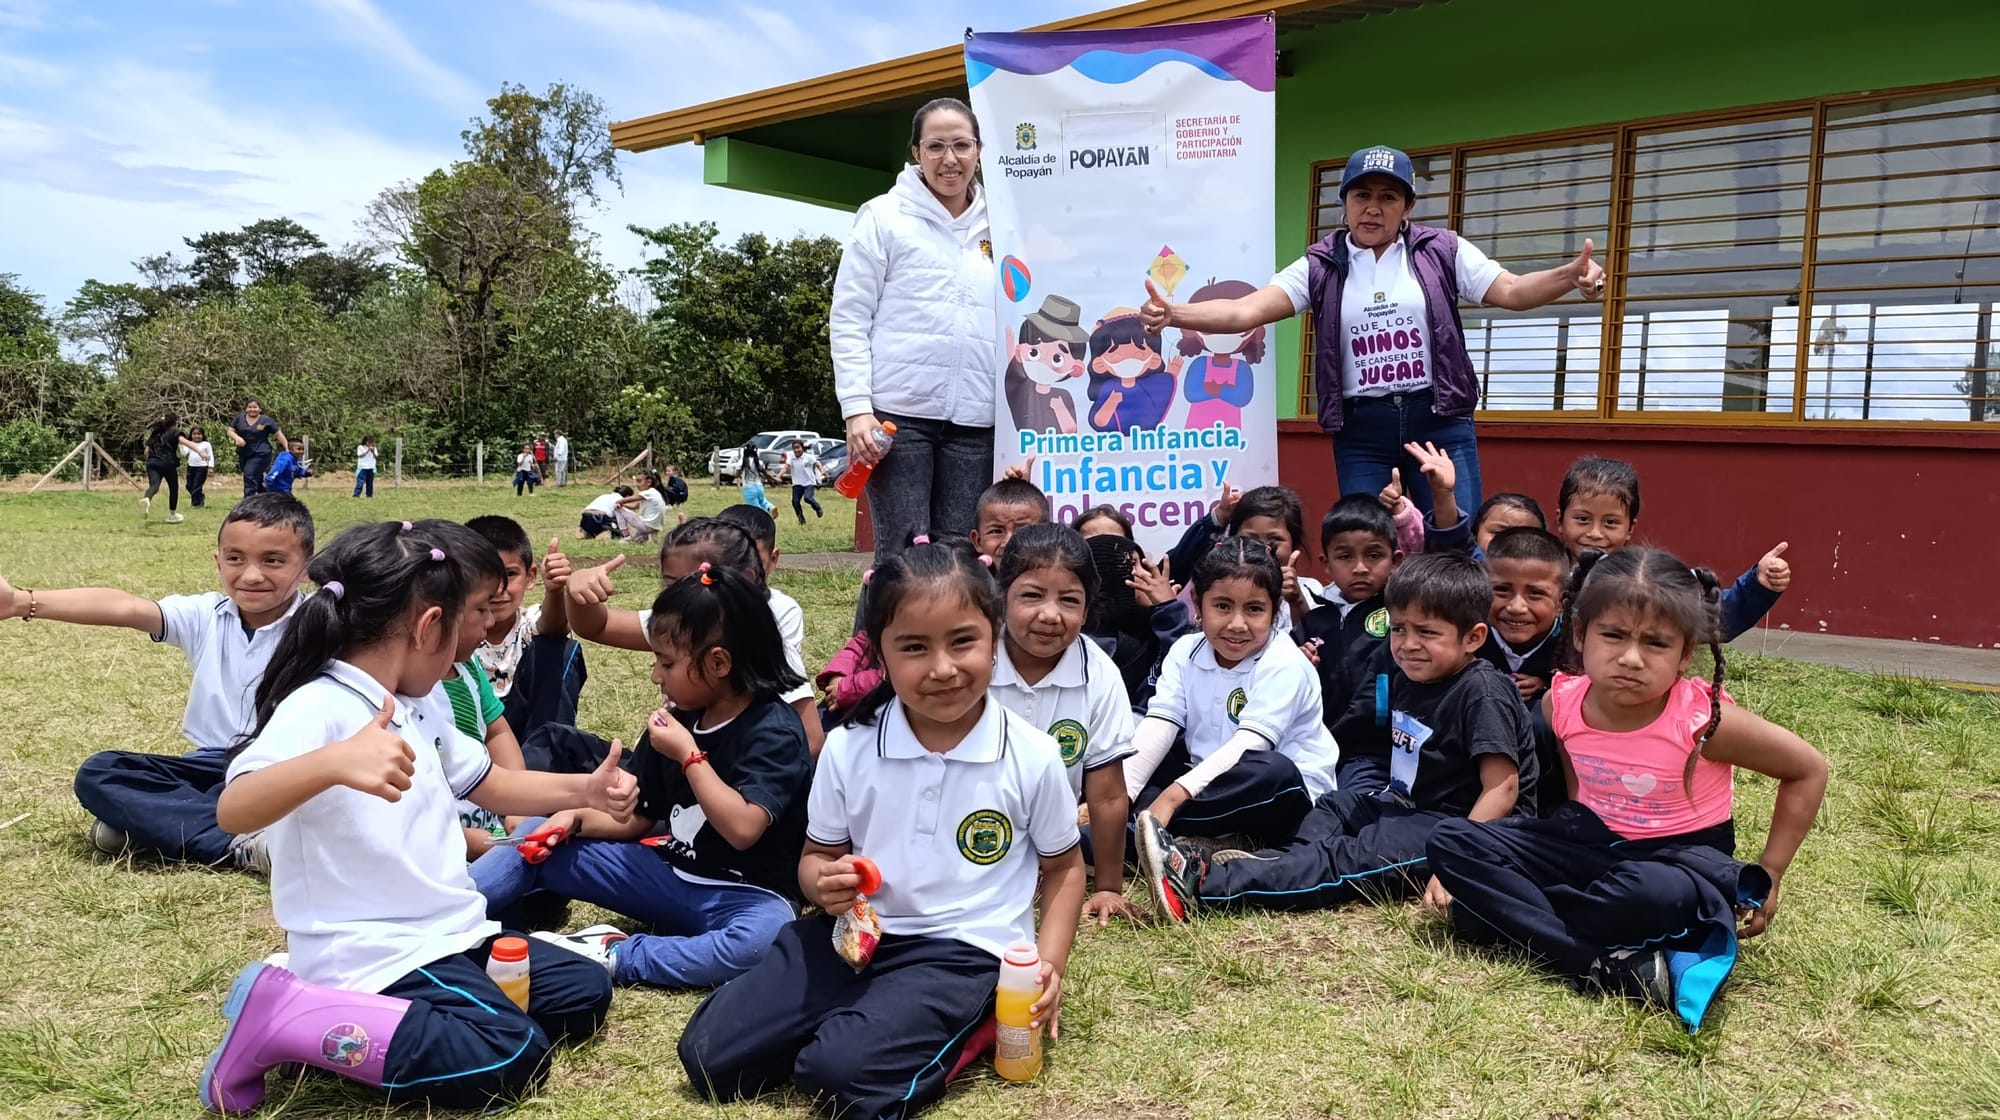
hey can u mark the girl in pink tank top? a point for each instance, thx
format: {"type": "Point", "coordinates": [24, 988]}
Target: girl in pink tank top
{"type": "Point", "coordinates": [1632, 887]}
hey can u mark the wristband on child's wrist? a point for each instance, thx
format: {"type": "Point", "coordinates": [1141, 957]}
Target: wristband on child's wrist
{"type": "Point", "coordinates": [33, 606]}
{"type": "Point", "coordinates": [693, 760]}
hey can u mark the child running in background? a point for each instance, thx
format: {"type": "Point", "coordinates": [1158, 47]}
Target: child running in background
{"type": "Point", "coordinates": [964, 808]}
{"type": "Point", "coordinates": [1598, 507]}
{"type": "Point", "coordinates": [1456, 743]}
{"type": "Point", "coordinates": [1233, 741]}
{"type": "Point", "coordinates": [200, 455]}
{"type": "Point", "coordinates": [163, 805]}
{"type": "Point", "coordinates": [352, 769]}
{"type": "Point", "coordinates": [536, 668]}
{"type": "Point", "coordinates": [1632, 887]}
{"type": "Point", "coordinates": [1060, 681]}
{"type": "Point", "coordinates": [722, 777]}
{"type": "Point", "coordinates": [290, 466]}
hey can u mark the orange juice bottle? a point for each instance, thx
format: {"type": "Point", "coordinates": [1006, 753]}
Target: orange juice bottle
{"type": "Point", "coordinates": [855, 477]}
{"type": "Point", "coordinates": [1017, 1053]}
{"type": "Point", "coordinates": [507, 964]}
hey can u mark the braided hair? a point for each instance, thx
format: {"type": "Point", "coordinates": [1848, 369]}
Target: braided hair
{"type": "Point", "coordinates": [1651, 581]}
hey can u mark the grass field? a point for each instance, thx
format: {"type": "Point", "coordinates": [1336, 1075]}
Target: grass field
{"type": "Point", "coordinates": [1876, 993]}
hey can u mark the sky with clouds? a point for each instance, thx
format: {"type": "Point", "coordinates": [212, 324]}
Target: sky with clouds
{"type": "Point", "coordinates": [127, 125]}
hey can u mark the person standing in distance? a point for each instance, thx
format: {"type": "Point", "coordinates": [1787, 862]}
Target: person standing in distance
{"type": "Point", "coordinates": [561, 452]}
{"type": "Point", "coordinates": [1389, 354]}
{"type": "Point", "coordinates": [912, 333]}
{"type": "Point", "coordinates": [251, 432]}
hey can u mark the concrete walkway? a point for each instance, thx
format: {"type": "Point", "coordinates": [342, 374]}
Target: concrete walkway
{"type": "Point", "coordinates": [1951, 665]}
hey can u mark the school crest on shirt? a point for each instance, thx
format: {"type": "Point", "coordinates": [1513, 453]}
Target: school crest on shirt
{"type": "Point", "coordinates": [1234, 705]}
{"type": "Point", "coordinates": [345, 1045]}
{"type": "Point", "coordinates": [1377, 623]}
{"type": "Point", "coordinates": [1072, 737]}
{"type": "Point", "coordinates": [984, 836]}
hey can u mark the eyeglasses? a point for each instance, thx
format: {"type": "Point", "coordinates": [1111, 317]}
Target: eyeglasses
{"type": "Point", "coordinates": [935, 149]}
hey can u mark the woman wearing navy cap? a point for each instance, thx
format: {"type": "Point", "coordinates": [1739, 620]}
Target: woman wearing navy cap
{"type": "Point", "coordinates": [1389, 354]}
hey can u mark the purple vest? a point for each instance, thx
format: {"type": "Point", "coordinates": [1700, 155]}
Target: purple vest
{"type": "Point", "coordinates": [1434, 257]}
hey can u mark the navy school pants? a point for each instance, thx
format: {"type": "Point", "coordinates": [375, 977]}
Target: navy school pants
{"type": "Point", "coordinates": [165, 803]}
{"type": "Point", "coordinates": [1262, 796]}
{"type": "Point", "coordinates": [705, 933]}
{"type": "Point", "coordinates": [875, 1043]}
{"type": "Point", "coordinates": [1565, 889]}
{"type": "Point", "coordinates": [1351, 845]}
{"type": "Point", "coordinates": [464, 1044]}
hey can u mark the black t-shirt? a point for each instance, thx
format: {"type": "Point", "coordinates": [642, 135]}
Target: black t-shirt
{"type": "Point", "coordinates": [761, 754]}
{"type": "Point", "coordinates": [256, 437]}
{"type": "Point", "coordinates": [1445, 726]}
{"type": "Point", "coordinates": [162, 447]}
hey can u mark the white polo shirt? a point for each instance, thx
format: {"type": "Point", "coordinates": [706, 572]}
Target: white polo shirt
{"type": "Point", "coordinates": [1275, 694]}
{"type": "Point", "coordinates": [1081, 704]}
{"type": "Point", "coordinates": [959, 836]}
{"type": "Point", "coordinates": [369, 890]}
{"type": "Point", "coordinates": [1384, 317]}
{"type": "Point", "coordinates": [226, 662]}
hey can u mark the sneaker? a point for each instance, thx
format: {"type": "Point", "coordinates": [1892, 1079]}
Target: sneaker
{"type": "Point", "coordinates": [1173, 870]}
{"type": "Point", "coordinates": [175, 519]}
{"type": "Point", "coordinates": [1636, 974]}
{"type": "Point", "coordinates": [108, 840]}
{"type": "Point", "coordinates": [248, 853]}
{"type": "Point", "coordinates": [599, 943]}
{"type": "Point", "coordinates": [145, 507]}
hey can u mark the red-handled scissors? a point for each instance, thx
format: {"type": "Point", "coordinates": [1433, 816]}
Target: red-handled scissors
{"type": "Point", "coordinates": [535, 845]}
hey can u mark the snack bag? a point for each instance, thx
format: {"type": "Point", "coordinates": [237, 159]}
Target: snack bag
{"type": "Point", "coordinates": [857, 932]}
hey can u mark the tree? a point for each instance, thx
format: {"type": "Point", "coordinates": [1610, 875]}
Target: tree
{"type": "Point", "coordinates": [37, 383]}
{"type": "Point", "coordinates": [555, 145]}
{"type": "Point", "coordinates": [337, 280]}
{"type": "Point", "coordinates": [101, 317]}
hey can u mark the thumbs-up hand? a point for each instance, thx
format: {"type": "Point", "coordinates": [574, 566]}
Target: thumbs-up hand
{"type": "Point", "coordinates": [1391, 496]}
{"type": "Point", "coordinates": [555, 568]}
{"type": "Point", "coordinates": [1773, 570]}
{"type": "Point", "coordinates": [1291, 589]}
{"type": "Point", "coordinates": [376, 760]}
{"type": "Point", "coordinates": [1156, 313]}
{"type": "Point", "coordinates": [611, 789]}
{"type": "Point", "coordinates": [1588, 274]}
{"type": "Point", "coordinates": [592, 586]}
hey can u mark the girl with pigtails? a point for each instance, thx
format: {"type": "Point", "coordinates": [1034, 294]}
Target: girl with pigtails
{"type": "Point", "coordinates": [1632, 887]}
{"type": "Point", "coordinates": [352, 772]}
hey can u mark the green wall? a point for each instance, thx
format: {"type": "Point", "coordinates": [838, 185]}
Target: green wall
{"type": "Point", "coordinates": [1474, 70]}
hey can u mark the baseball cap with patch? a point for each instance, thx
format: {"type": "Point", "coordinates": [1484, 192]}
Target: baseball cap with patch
{"type": "Point", "coordinates": [1391, 162]}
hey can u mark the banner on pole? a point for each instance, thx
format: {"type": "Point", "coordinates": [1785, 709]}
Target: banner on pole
{"type": "Point", "coordinates": [1113, 158]}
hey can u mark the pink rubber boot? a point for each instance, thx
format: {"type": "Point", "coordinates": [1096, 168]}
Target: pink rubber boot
{"type": "Point", "coordinates": [276, 1018]}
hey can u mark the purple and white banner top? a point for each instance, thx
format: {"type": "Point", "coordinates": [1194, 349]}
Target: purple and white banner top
{"type": "Point", "coordinates": [1113, 158]}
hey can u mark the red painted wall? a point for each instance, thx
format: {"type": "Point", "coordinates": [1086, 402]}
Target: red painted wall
{"type": "Point", "coordinates": [1893, 534]}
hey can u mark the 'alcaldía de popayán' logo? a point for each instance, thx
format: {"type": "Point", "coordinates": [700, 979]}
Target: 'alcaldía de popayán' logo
{"type": "Point", "coordinates": [1024, 136]}
{"type": "Point", "coordinates": [984, 836]}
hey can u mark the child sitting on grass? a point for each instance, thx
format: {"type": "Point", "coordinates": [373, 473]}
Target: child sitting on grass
{"type": "Point", "coordinates": [161, 805]}
{"type": "Point", "coordinates": [1358, 545]}
{"type": "Point", "coordinates": [352, 769]}
{"type": "Point", "coordinates": [536, 668]}
{"type": "Point", "coordinates": [1632, 887]}
{"type": "Point", "coordinates": [1456, 744]}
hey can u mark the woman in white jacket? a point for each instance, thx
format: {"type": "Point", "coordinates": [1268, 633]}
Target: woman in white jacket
{"type": "Point", "coordinates": [913, 335]}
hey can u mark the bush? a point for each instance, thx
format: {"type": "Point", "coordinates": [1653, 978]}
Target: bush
{"type": "Point", "coordinates": [27, 447]}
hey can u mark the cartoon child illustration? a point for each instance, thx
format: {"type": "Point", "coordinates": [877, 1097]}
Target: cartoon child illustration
{"type": "Point", "coordinates": [1048, 353]}
{"type": "Point", "coordinates": [1130, 387]}
{"type": "Point", "coordinates": [1220, 382]}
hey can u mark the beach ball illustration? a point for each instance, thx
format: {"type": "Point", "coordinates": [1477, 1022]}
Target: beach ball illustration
{"type": "Point", "coordinates": [1014, 278]}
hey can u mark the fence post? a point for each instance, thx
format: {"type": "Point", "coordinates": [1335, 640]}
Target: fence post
{"type": "Point", "coordinates": [307, 440]}
{"type": "Point", "coordinates": [479, 462]}
{"type": "Point", "coordinates": [89, 457]}
{"type": "Point", "coordinates": [399, 460]}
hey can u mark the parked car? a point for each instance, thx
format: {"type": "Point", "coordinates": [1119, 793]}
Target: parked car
{"type": "Point", "coordinates": [725, 464]}
{"type": "Point", "coordinates": [832, 455]}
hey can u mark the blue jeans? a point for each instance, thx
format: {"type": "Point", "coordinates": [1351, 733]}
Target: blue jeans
{"type": "Point", "coordinates": [364, 477]}
{"type": "Point", "coordinates": [929, 483]}
{"type": "Point", "coordinates": [1370, 444]}
{"type": "Point", "coordinates": [713, 932]}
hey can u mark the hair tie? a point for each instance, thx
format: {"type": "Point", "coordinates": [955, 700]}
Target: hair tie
{"type": "Point", "coordinates": [334, 588]}
{"type": "Point", "coordinates": [985, 559]}
{"type": "Point", "coordinates": [867, 575]}
{"type": "Point", "coordinates": [407, 526]}
{"type": "Point", "coordinates": [706, 579]}
{"type": "Point", "coordinates": [921, 538]}
{"type": "Point", "coordinates": [437, 554]}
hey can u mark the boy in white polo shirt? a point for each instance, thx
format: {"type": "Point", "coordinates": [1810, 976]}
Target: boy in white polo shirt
{"type": "Point", "coordinates": [963, 807]}
{"type": "Point", "coordinates": [165, 805]}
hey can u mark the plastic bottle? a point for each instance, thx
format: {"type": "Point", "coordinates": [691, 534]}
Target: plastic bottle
{"type": "Point", "coordinates": [857, 932]}
{"type": "Point", "coordinates": [1017, 1053]}
{"type": "Point", "coordinates": [507, 965]}
{"type": "Point", "coordinates": [856, 475]}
